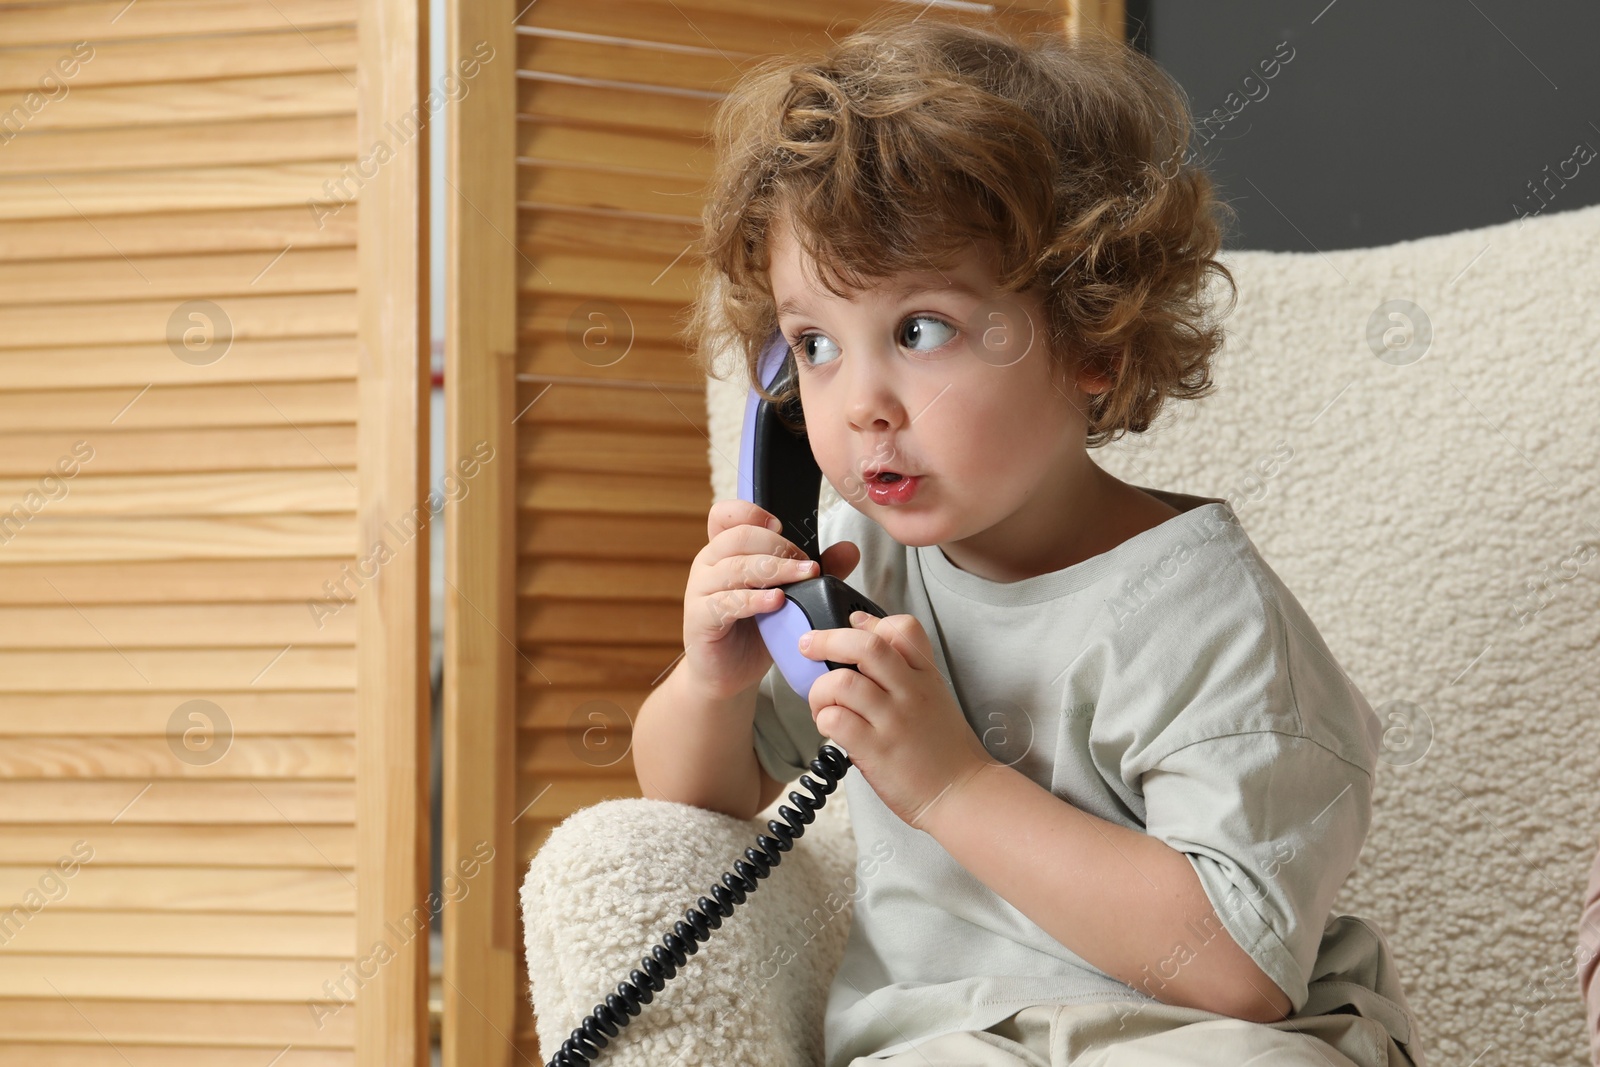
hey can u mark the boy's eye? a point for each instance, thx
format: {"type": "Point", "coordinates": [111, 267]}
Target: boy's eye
{"type": "Point", "coordinates": [927, 329]}
{"type": "Point", "coordinates": [807, 349]}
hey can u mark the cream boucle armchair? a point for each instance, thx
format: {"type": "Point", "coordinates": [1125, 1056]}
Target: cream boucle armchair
{"type": "Point", "coordinates": [1409, 434]}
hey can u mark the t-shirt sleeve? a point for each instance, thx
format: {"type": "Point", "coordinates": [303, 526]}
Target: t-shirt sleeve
{"type": "Point", "coordinates": [1273, 823]}
{"type": "Point", "coordinates": [786, 738]}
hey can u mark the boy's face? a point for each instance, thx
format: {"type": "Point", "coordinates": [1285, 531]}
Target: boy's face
{"type": "Point", "coordinates": [952, 387]}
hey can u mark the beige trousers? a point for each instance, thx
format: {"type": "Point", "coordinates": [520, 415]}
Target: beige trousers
{"type": "Point", "coordinates": [1153, 1034]}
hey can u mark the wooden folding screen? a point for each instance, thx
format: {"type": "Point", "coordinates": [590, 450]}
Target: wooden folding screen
{"type": "Point", "coordinates": [576, 181]}
{"type": "Point", "coordinates": [213, 538]}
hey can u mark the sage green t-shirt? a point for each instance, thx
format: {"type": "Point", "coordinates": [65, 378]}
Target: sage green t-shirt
{"type": "Point", "coordinates": [1171, 684]}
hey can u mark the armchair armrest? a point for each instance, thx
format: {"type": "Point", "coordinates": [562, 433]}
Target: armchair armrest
{"type": "Point", "coordinates": [613, 878]}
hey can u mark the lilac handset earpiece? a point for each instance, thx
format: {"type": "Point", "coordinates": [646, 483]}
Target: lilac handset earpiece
{"type": "Point", "coordinates": [778, 473]}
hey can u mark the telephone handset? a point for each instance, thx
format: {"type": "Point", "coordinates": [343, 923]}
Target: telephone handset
{"type": "Point", "coordinates": [778, 473]}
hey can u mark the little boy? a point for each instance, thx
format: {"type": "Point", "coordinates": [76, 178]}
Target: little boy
{"type": "Point", "coordinates": [1107, 778]}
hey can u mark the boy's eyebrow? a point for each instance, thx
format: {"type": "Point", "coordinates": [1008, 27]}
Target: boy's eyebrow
{"type": "Point", "coordinates": [792, 307]}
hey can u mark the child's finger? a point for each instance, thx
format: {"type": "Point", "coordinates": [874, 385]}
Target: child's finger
{"type": "Point", "coordinates": [879, 660]}
{"type": "Point", "coordinates": [903, 632]}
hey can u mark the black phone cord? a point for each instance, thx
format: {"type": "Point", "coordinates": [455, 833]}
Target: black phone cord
{"type": "Point", "coordinates": [607, 1019]}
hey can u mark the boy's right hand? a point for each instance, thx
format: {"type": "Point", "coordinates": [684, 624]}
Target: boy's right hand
{"type": "Point", "coordinates": [730, 581]}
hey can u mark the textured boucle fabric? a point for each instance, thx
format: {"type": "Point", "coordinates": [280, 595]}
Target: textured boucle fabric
{"type": "Point", "coordinates": [1429, 489]}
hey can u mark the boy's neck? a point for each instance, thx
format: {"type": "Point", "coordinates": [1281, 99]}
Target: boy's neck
{"type": "Point", "coordinates": [1093, 514]}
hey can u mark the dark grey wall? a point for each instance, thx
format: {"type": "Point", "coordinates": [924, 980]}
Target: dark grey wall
{"type": "Point", "coordinates": [1393, 119]}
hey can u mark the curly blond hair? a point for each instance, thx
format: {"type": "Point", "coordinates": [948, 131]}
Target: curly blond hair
{"type": "Point", "coordinates": [911, 139]}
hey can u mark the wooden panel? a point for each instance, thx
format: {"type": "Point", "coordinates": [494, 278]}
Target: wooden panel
{"type": "Point", "coordinates": [191, 500]}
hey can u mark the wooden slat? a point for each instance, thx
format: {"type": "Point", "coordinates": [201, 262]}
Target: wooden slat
{"type": "Point", "coordinates": [172, 279]}
{"type": "Point", "coordinates": [549, 141]}
{"type": "Point", "coordinates": [654, 409]}
{"type": "Point", "coordinates": [148, 714]}
{"type": "Point", "coordinates": [557, 317]}
{"type": "Point", "coordinates": [268, 229]}
{"type": "Point", "coordinates": [590, 536]}
{"type": "Point", "coordinates": [133, 1024]}
{"type": "Point", "coordinates": [567, 795]}
{"type": "Point", "coordinates": [624, 281]}
{"type": "Point", "coordinates": [285, 360]}
{"type": "Point", "coordinates": [551, 448]}
{"type": "Point", "coordinates": [49, 540]}
{"type": "Point", "coordinates": [320, 490]}
{"type": "Point", "coordinates": [292, 140]}
{"type": "Point", "coordinates": [177, 668]}
{"type": "Point", "coordinates": [282, 447]}
{"type": "Point", "coordinates": [194, 188]}
{"type": "Point", "coordinates": [249, 623]}
{"type": "Point", "coordinates": [220, 803]}
{"type": "Point", "coordinates": [560, 664]}
{"type": "Point", "coordinates": [125, 845]}
{"type": "Point", "coordinates": [177, 59]}
{"type": "Point", "coordinates": [649, 62]}
{"type": "Point", "coordinates": [554, 707]}
{"type": "Point", "coordinates": [110, 20]}
{"type": "Point", "coordinates": [280, 758]}
{"type": "Point", "coordinates": [729, 25]}
{"type": "Point", "coordinates": [621, 494]}
{"type": "Point", "coordinates": [133, 322]}
{"type": "Point", "coordinates": [167, 978]}
{"type": "Point", "coordinates": [597, 750]}
{"type": "Point", "coordinates": [139, 933]}
{"type": "Point", "coordinates": [273, 404]}
{"type": "Point", "coordinates": [584, 622]}
{"type": "Point", "coordinates": [103, 1055]}
{"type": "Point", "coordinates": [604, 106]}
{"type": "Point", "coordinates": [651, 192]}
{"type": "Point", "coordinates": [187, 581]}
{"type": "Point", "coordinates": [624, 583]}
{"type": "Point", "coordinates": [646, 361]}
{"type": "Point", "coordinates": [598, 233]}
{"type": "Point", "coordinates": [303, 96]}
{"type": "Point", "coordinates": [308, 890]}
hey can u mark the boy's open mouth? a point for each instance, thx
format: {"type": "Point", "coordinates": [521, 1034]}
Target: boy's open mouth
{"type": "Point", "coordinates": [891, 488]}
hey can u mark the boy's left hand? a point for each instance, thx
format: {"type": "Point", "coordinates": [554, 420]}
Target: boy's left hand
{"type": "Point", "coordinates": [895, 715]}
